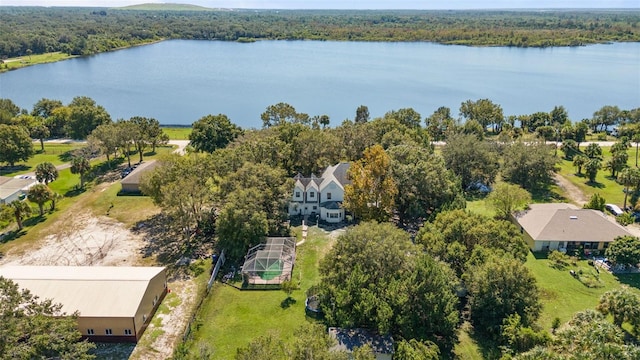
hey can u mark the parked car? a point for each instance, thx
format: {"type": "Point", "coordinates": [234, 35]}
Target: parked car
{"type": "Point", "coordinates": [614, 209]}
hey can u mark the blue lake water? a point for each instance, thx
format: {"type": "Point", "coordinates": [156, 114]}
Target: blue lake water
{"type": "Point", "coordinates": [179, 81]}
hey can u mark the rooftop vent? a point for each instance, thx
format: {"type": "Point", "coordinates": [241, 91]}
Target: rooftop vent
{"type": "Point", "coordinates": [573, 217]}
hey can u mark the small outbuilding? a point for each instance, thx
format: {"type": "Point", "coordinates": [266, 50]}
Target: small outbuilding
{"type": "Point", "coordinates": [15, 188]}
{"type": "Point", "coordinates": [114, 304]}
{"type": "Point", "coordinates": [131, 182]}
{"type": "Point", "coordinates": [350, 339]}
{"type": "Point", "coordinates": [270, 263]}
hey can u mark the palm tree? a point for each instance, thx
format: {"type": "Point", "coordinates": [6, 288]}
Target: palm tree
{"type": "Point", "coordinates": [579, 161]}
{"type": "Point", "coordinates": [20, 210]}
{"type": "Point", "coordinates": [46, 173]}
{"type": "Point", "coordinates": [621, 303]}
{"type": "Point", "coordinates": [54, 198]}
{"type": "Point", "coordinates": [80, 165]}
{"type": "Point", "coordinates": [628, 177]}
{"type": "Point", "coordinates": [636, 139]}
{"type": "Point", "coordinates": [39, 194]}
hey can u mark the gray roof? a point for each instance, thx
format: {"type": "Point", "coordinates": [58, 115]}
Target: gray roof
{"type": "Point", "coordinates": [9, 185]}
{"type": "Point", "coordinates": [331, 205]}
{"type": "Point", "coordinates": [337, 173]}
{"type": "Point", "coordinates": [135, 176]}
{"type": "Point", "coordinates": [349, 339]}
{"type": "Point", "coordinates": [565, 222]}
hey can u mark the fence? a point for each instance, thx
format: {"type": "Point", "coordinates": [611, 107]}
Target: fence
{"type": "Point", "coordinates": [219, 263]}
{"type": "Point", "coordinates": [216, 269]}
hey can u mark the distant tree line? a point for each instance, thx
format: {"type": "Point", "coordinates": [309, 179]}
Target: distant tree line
{"type": "Point", "coordinates": [85, 31]}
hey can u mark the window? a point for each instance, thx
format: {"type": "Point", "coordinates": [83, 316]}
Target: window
{"type": "Point", "coordinates": [127, 331]}
{"type": "Point", "coordinates": [315, 207]}
{"type": "Point", "coordinates": [328, 196]}
{"type": "Point", "coordinates": [108, 331]}
{"type": "Point", "coordinates": [90, 332]}
{"type": "Point", "coordinates": [297, 193]}
{"type": "Point", "coordinates": [334, 216]}
{"type": "Point", "coordinates": [312, 194]}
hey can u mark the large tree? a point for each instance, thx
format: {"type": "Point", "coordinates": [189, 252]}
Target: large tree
{"type": "Point", "coordinates": [440, 123]}
{"type": "Point", "coordinates": [484, 111]}
{"type": "Point", "coordinates": [406, 116]}
{"type": "Point", "coordinates": [106, 138]}
{"type": "Point", "coordinates": [241, 224]}
{"type": "Point", "coordinates": [507, 198]}
{"type": "Point", "coordinates": [84, 116]}
{"type": "Point", "coordinates": [31, 328]}
{"type": "Point", "coordinates": [213, 132]}
{"type": "Point", "coordinates": [184, 186]}
{"type": "Point", "coordinates": [624, 250]}
{"type": "Point", "coordinates": [425, 186]}
{"type": "Point", "coordinates": [372, 191]}
{"type": "Point", "coordinates": [281, 113]}
{"type": "Point", "coordinates": [499, 287]}
{"type": "Point", "coordinates": [454, 236]}
{"type": "Point", "coordinates": [46, 172]}
{"type": "Point", "coordinates": [40, 194]}
{"type": "Point", "coordinates": [362, 114]}
{"type": "Point", "coordinates": [473, 160]}
{"type": "Point", "coordinates": [16, 145]}
{"type": "Point", "coordinates": [374, 277]}
{"type": "Point", "coordinates": [530, 165]}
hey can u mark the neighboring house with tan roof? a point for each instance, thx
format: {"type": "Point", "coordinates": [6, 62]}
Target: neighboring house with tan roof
{"type": "Point", "coordinates": [565, 227]}
{"type": "Point", "coordinates": [115, 304]}
{"type": "Point", "coordinates": [322, 196]}
{"type": "Point", "coordinates": [131, 183]}
{"type": "Point", "coordinates": [15, 188]}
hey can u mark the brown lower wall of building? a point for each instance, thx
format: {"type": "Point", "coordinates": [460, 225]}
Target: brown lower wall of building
{"type": "Point", "coordinates": [140, 331]}
{"type": "Point", "coordinates": [111, 338]}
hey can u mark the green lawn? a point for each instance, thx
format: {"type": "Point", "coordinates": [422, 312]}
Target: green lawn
{"type": "Point", "coordinates": [563, 296]}
{"type": "Point", "coordinates": [16, 63]}
{"type": "Point", "coordinates": [177, 133]}
{"type": "Point", "coordinates": [231, 318]}
{"type": "Point", "coordinates": [57, 154]}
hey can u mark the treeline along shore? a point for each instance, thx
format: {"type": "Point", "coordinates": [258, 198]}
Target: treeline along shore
{"type": "Point", "coordinates": [26, 31]}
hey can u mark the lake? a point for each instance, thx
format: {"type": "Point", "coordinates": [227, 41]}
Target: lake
{"type": "Point", "coordinates": [179, 81]}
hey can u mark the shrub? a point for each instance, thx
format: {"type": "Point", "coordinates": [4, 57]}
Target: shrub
{"type": "Point", "coordinates": [625, 219]}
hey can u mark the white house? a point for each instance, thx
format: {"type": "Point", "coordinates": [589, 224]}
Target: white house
{"type": "Point", "coordinates": [322, 196]}
{"type": "Point", "coordinates": [15, 188]}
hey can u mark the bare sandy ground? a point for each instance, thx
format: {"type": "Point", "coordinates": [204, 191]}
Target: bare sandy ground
{"type": "Point", "coordinates": [90, 240]}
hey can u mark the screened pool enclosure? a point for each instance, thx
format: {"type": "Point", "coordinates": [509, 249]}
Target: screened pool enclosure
{"type": "Point", "coordinates": [270, 263]}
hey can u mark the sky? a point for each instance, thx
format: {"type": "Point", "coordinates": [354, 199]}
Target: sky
{"type": "Point", "coordinates": [347, 4]}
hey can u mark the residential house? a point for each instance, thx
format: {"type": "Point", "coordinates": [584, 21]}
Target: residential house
{"type": "Point", "coordinates": [565, 227]}
{"type": "Point", "coordinates": [321, 196]}
{"type": "Point", "coordinates": [15, 188]}
{"type": "Point", "coordinates": [349, 339]}
{"type": "Point", "coordinates": [114, 304]}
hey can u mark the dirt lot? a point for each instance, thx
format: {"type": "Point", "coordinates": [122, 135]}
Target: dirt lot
{"type": "Point", "coordinates": [101, 241]}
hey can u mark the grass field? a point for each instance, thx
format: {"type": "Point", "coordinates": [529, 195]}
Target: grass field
{"type": "Point", "coordinates": [563, 296]}
{"type": "Point", "coordinates": [16, 63]}
{"type": "Point", "coordinates": [177, 133]}
{"type": "Point", "coordinates": [231, 318]}
{"type": "Point", "coordinates": [605, 184]}
{"type": "Point", "coordinates": [57, 154]}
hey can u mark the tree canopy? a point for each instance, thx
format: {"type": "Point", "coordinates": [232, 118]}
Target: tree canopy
{"type": "Point", "coordinates": [31, 328]}
{"type": "Point", "coordinates": [213, 132]}
{"type": "Point", "coordinates": [375, 278]}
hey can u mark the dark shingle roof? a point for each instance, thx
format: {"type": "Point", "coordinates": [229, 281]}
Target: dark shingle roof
{"type": "Point", "coordinates": [349, 339]}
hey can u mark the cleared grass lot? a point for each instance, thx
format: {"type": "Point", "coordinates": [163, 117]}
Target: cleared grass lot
{"type": "Point", "coordinates": [230, 318]}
